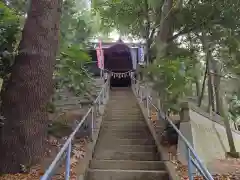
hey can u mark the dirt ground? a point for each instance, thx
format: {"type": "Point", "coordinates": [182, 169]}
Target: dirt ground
{"type": "Point", "coordinates": [68, 109]}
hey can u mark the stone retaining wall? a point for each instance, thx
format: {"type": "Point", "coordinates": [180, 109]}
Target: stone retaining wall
{"type": "Point", "coordinates": [206, 134]}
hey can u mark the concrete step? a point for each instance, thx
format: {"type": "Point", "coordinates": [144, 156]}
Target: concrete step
{"type": "Point", "coordinates": [123, 155]}
{"type": "Point", "coordinates": [114, 119]}
{"type": "Point", "coordinates": [126, 164]}
{"type": "Point", "coordinates": [125, 135]}
{"type": "Point", "coordinates": [124, 123]}
{"type": "Point", "coordinates": [143, 131]}
{"type": "Point", "coordinates": [115, 99]}
{"type": "Point", "coordinates": [123, 108]}
{"type": "Point", "coordinates": [123, 114]}
{"type": "Point", "coordinates": [138, 148]}
{"type": "Point", "coordinates": [127, 130]}
{"type": "Point", "coordinates": [127, 109]}
{"type": "Point", "coordinates": [116, 104]}
{"type": "Point", "coordinates": [124, 118]}
{"type": "Point", "coordinates": [116, 174]}
{"type": "Point", "coordinates": [113, 141]}
{"type": "Point", "coordinates": [130, 148]}
{"type": "Point", "coordinates": [130, 110]}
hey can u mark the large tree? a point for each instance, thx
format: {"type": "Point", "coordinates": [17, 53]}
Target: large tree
{"type": "Point", "coordinates": [29, 88]}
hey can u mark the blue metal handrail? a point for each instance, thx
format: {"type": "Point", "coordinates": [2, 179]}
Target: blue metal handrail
{"type": "Point", "coordinates": [192, 157]}
{"type": "Point", "coordinates": [67, 147]}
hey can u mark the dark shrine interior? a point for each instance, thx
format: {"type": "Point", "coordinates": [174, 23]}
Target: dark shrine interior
{"type": "Point", "coordinates": [117, 59]}
{"type": "Point", "coordinates": [120, 81]}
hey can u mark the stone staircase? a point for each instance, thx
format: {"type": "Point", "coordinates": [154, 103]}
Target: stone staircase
{"type": "Point", "coordinates": [125, 149]}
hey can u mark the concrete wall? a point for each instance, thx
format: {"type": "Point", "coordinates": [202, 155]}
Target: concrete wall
{"type": "Point", "coordinates": [206, 134]}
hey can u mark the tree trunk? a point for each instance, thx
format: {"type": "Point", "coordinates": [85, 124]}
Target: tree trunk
{"type": "Point", "coordinates": [147, 30]}
{"type": "Point", "coordinates": [165, 28]}
{"type": "Point", "coordinates": [208, 52]}
{"type": "Point", "coordinates": [211, 104]}
{"type": "Point", "coordinates": [200, 98]}
{"type": "Point", "coordinates": [216, 85]}
{"type": "Point", "coordinates": [197, 84]}
{"type": "Point", "coordinates": [148, 61]}
{"type": "Point", "coordinates": [235, 125]}
{"type": "Point", "coordinates": [195, 62]}
{"type": "Point", "coordinates": [233, 153]}
{"type": "Point", "coordinates": [29, 89]}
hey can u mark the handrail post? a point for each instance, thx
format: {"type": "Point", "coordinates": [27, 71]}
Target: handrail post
{"type": "Point", "coordinates": [141, 94]}
{"type": "Point", "coordinates": [148, 110]}
{"type": "Point", "coordinates": [190, 165]}
{"type": "Point", "coordinates": [135, 86]}
{"type": "Point", "coordinates": [138, 89]}
{"type": "Point", "coordinates": [68, 161]}
{"type": "Point", "coordinates": [92, 123]}
{"type": "Point", "coordinates": [104, 92]}
{"type": "Point", "coordinates": [95, 109]}
{"type": "Point", "coordinates": [102, 96]}
{"type": "Point", "coordinates": [107, 90]}
{"type": "Point", "coordinates": [99, 103]}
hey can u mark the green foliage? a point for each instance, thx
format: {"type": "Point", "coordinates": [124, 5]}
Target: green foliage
{"type": "Point", "coordinates": [70, 70]}
{"type": "Point", "coordinates": [77, 22]}
{"type": "Point", "coordinates": [51, 107]}
{"type": "Point", "coordinates": [218, 21]}
{"type": "Point", "coordinates": [9, 27]}
{"type": "Point", "coordinates": [129, 17]}
{"type": "Point", "coordinates": [169, 80]}
{"type": "Point", "coordinates": [234, 107]}
{"type": "Point", "coordinates": [20, 6]}
{"type": "Point", "coordinates": [59, 129]}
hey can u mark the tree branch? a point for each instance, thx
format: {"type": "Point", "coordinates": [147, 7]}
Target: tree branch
{"type": "Point", "coordinates": [182, 32]}
{"type": "Point", "coordinates": [152, 33]}
{"type": "Point", "coordinates": [186, 30]}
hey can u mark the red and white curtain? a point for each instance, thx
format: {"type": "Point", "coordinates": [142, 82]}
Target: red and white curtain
{"type": "Point", "coordinates": [100, 56]}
